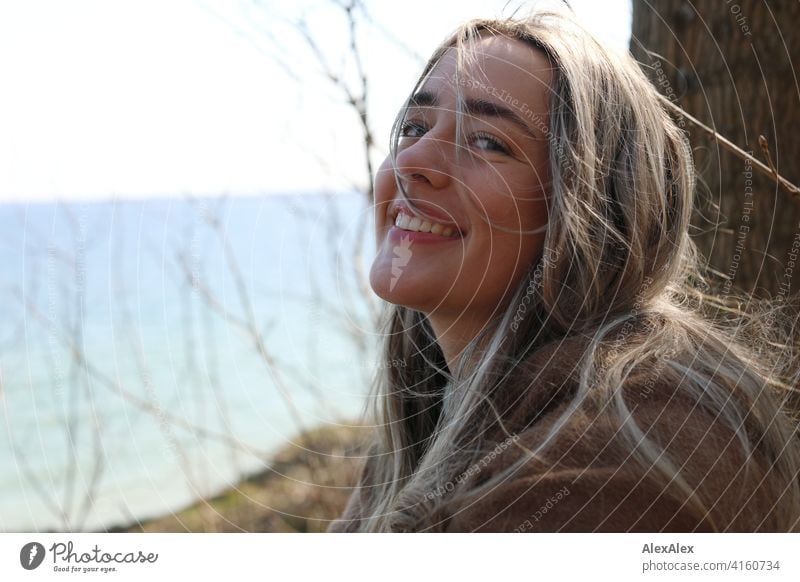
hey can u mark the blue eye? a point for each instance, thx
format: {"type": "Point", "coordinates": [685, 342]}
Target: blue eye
{"type": "Point", "coordinates": [412, 129]}
{"type": "Point", "coordinates": [489, 142]}
{"type": "Point", "coordinates": [482, 141]}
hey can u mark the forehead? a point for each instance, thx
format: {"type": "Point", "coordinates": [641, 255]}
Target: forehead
{"type": "Point", "coordinates": [496, 67]}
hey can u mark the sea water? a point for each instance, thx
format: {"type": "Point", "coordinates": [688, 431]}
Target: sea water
{"type": "Point", "coordinates": [156, 351]}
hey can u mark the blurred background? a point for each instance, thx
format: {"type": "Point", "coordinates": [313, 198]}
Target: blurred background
{"type": "Point", "coordinates": [187, 335]}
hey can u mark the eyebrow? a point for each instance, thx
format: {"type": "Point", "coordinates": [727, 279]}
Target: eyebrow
{"type": "Point", "coordinates": [475, 108]}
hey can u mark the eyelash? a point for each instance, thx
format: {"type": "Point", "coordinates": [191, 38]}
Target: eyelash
{"type": "Point", "coordinates": [407, 125]}
{"type": "Point", "coordinates": [494, 144]}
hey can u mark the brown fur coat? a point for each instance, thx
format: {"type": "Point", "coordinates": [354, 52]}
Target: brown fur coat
{"type": "Point", "coordinates": [587, 481]}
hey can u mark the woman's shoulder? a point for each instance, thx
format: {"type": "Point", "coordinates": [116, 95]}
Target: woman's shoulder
{"type": "Point", "coordinates": [650, 372]}
{"type": "Point", "coordinates": [573, 367]}
{"type": "Point", "coordinates": [580, 463]}
{"type": "Point", "coordinates": [588, 480]}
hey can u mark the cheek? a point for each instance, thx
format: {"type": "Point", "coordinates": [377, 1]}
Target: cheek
{"type": "Point", "coordinates": [512, 199]}
{"type": "Point", "coordinates": [384, 182]}
{"type": "Point", "coordinates": [501, 253]}
{"type": "Point", "coordinates": [500, 264]}
{"type": "Point", "coordinates": [385, 187]}
{"type": "Point", "coordinates": [504, 212]}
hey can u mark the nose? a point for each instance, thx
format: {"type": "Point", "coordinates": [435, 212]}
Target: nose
{"type": "Point", "coordinates": [426, 160]}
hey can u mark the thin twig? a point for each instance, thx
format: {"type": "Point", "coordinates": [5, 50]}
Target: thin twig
{"type": "Point", "coordinates": [762, 141]}
{"type": "Point", "coordinates": [249, 322]}
{"type": "Point", "coordinates": [142, 404]}
{"type": "Point", "coordinates": [770, 172]}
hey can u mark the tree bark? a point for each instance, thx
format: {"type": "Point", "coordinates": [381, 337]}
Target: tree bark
{"type": "Point", "coordinates": [731, 65]}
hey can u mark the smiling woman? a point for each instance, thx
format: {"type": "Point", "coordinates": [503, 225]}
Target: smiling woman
{"type": "Point", "coordinates": [481, 194]}
{"type": "Point", "coordinates": [532, 232]}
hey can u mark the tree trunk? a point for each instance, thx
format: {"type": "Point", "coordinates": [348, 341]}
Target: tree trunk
{"type": "Point", "coordinates": [730, 64]}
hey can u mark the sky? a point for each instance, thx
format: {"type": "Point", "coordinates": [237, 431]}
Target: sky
{"type": "Point", "coordinates": [106, 99]}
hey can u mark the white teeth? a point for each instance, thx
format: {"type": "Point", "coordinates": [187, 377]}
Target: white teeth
{"type": "Point", "coordinates": [415, 224]}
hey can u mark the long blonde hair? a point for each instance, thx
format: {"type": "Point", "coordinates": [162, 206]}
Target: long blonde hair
{"type": "Point", "coordinates": [617, 255]}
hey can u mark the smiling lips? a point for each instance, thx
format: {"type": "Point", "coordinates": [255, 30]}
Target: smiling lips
{"type": "Point", "coordinates": [414, 224]}
{"type": "Point", "coordinates": [405, 221]}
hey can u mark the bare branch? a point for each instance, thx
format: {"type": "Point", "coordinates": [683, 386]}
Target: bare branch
{"type": "Point", "coordinates": [248, 323]}
{"type": "Point", "coordinates": [770, 172]}
{"type": "Point", "coordinates": [144, 405]}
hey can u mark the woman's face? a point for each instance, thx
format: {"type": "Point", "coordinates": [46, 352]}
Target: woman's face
{"type": "Point", "coordinates": [484, 189]}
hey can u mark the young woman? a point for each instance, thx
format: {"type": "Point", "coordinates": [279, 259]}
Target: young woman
{"type": "Point", "coordinates": [532, 225]}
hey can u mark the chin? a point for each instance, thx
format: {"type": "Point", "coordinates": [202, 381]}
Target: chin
{"type": "Point", "coordinates": [399, 287]}
{"type": "Point", "coordinates": [386, 285]}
